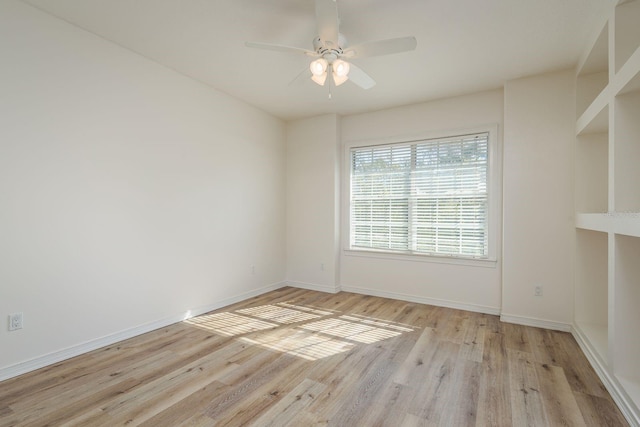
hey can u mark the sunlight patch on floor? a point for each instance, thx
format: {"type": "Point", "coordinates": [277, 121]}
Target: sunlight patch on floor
{"type": "Point", "coordinates": [229, 324]}
{"type": "Point", "coordinates": [353, 331]}
{"type": "Point", "coordinates": [320, 332]}
{"type": "Point", "coordinates": [377, 322]}
{"type": "Point", "coordinates": [282, 315]}
{"type": "Point", "coordinates": [305, 345]}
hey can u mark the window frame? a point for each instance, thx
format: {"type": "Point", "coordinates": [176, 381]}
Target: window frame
{"type": "Point", "coordinates": [493, 194]}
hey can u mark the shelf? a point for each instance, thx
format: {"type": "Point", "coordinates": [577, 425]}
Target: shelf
{"type": "Point", "coordinates": [627, 32]}
{"type": "Point", "coordinates": [627, 152]}
{"type": "Point", "coordinates": [593, 75]}
{"type": "Point", "coordinates": [593, 222]}
{"type": "Point", "coordinates": [595, 119]}
{"type": "Point", "coordinates": [628, 79]}
{"type": "Point", "coordinates": [627, 224]}
{"type": "Point", "coordinates": [591, 296]}
{"type": "Point", "coordinates": [607, 202]}
{"type": "Point", "coordinates": [627, 316]}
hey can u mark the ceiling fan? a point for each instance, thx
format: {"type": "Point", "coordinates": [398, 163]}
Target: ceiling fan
{"type": "Point", "coordinates": [331, 52]}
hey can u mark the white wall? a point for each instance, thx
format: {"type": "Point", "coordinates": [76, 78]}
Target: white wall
{"type": "Point", "coordinates": [469, 286]}
{"type": "Point", "coordinates": [314, 155]}
{"type": "Point", "coordinates": [313, 202]}
{"type": "Point", "coordinates": [538, 173]}
{"type": "Point", "coordinates": [129, 194]}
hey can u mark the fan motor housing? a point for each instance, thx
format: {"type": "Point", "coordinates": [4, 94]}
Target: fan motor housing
{"type": "Point", "coordinates": [323, 47]}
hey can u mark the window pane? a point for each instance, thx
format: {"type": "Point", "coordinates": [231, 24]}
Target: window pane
{"type": "Point", "coordinates": [427, 197]}
{"type": "Point", "coordinates": [380, 188]}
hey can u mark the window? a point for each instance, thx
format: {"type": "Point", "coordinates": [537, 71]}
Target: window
{"type": "Point", "coordinates": [427, 197]}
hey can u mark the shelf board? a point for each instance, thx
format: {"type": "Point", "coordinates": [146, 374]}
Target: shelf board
{"type": "Point", "coordinates": [628, 78]}
{"type": "Point", "coordinates": [595, 119]}
{"type": "Point", "coordinates": [627, 224]}
{"type": "Point", "coordinates": [618, 223]}
{"type": "Point", "coordinates": [597, 337]}
{"type": "Point", "coordinates": [594, 222]}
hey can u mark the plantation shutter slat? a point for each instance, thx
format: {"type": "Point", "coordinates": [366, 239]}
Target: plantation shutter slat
{"type": "Point", "coordinates": [426, 197]}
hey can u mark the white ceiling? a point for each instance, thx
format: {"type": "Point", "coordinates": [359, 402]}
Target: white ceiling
{"type": "Point", "coordinates": [463, 45]}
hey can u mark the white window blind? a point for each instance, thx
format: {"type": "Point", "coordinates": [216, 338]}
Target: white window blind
{"type": "Point", "coordinates": [424, 197]}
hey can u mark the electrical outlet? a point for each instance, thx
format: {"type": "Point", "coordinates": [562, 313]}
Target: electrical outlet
{"type": "Point", "coordinates": [253, 269]}
{"type": "Point", "coordinates": [322, 266]}
{"type": "Point", "coordinates": [15, 321]}
{"type": "Point", "coordinates": [538, 291]}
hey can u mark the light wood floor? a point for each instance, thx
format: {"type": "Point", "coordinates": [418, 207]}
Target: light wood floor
{"type": "Point", "coordinates": [303, 358]}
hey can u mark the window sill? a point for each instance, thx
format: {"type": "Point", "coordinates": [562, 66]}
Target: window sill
{"type": "Point", "coordinates": [487, 263]}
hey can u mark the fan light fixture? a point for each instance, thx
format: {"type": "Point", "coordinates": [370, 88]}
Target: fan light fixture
{"type": "Point", "coordinates": [339, 71]}
{"type": "Point", "coordinates": [318, 67]}
{"type": "Point", "coordinates": [319, 70]}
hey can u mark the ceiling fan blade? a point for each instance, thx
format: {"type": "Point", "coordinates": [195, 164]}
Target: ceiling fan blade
{"type": "Point", "coordinates": [381, 47]}
{"type": "Point", "coordinates": [303, 76]}
{"type": "Point", "coordinates": [327, 19]}
{"type": "Point", "coordinates": [281, 48]}
{"type": "Point", "coordinates": [360, 78]}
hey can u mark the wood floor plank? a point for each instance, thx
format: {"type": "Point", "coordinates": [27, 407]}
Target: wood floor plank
{"type": "Point", "coordinates": [388, 406]}
{"type": "Point", "coordinates": [411, 420]}
{"type": "Point", "coordinates": [492, 323]}
{"type": "Point", "coordinates": [303, 358]}
{"type": "Point", "coordinates": [182, 411]}
{"type": "Point", "coordinates": [494, 403]}
{"type": "Point", "coordinates": [307, 419]}
{"type": "Point", "coordinates": [47, 400]}
{"type": "Point", "coordinates": [463, 394]}
{"type": "Point", "coordinates": [430, 394]}
{"type": "Point", "coordinates": [260, 399]}
{"type": "Point", "coordinates": [343, 379]}
{"type": "Point", "coordinates": [412, 315]}
{"type": "Point", "coordinates": [560, 405]}
{"type": "Point", "coordinates": [598, 411]}
{"type": "Point", "coordinates": [543, 347]}
{"type": "Point", "coordinates": [580, 375]}
{"type": "Point", "coordinates": [284, 411]}
{"type": "Point", "coordinates": [86, 384]}
{"type": "Point", "coordinates": [158, 395]}
{"type": "Point", "coordinates": [353, 410]}
{"type": "Point", "coordinates": [422, 350]}
{"type": "Point", "coordinates": [516, 337]}
{"type": "Point", "coordinates": [526, 403]}
{"type": "Point", "coordinates": [455, 326]}
{"type": "Point", "coordinates": [85, 418]}
{"type": "Point", "coordinates": [198, 420]}
{"type": "Point", "coordinates": [245, 400]}
{"type": "Point", "coordinates": [49, 380]}
{"type": "Point", "coordinates": [473, 341]}
{"type": "Point", "coordinates": [65, 411]}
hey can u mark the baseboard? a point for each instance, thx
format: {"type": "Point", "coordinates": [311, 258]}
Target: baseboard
{"type": "Point", "coordinates": [314, 287]}
{"type": "Point", "coordinates": [536, 323]}
{"type": "Point", "coordinates": [613, 387]}
{"type": "Point", "coordinates": [77, 350]}
{"type": "Point", "coordinates": [423, 300]}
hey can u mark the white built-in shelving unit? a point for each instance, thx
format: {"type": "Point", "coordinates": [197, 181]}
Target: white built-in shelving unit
{"type": "Point", "coordinates": [607, 198]}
